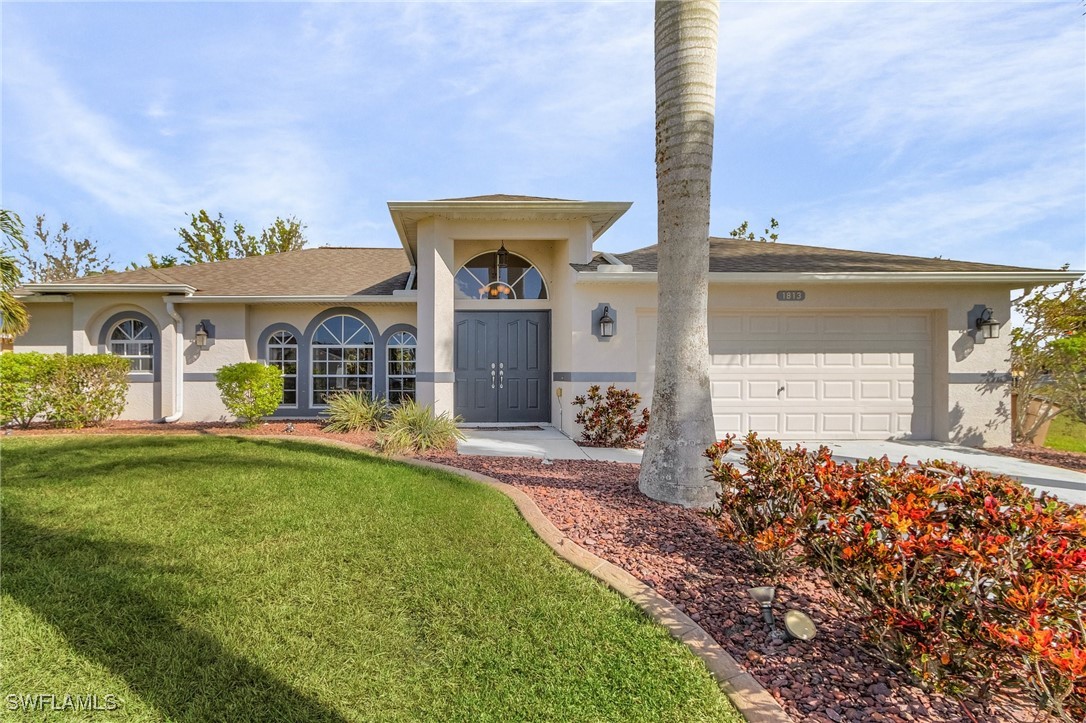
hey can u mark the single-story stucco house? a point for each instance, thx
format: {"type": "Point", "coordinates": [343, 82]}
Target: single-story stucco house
{"type": "Point", "coordinates": [492, 310]}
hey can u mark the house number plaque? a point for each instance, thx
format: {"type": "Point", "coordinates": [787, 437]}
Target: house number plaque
{"type": "Point", "coordinates": [791, 295]}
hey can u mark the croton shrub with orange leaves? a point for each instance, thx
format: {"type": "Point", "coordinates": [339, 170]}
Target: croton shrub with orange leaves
{"type": "Point", "coordinates": [964, 577]}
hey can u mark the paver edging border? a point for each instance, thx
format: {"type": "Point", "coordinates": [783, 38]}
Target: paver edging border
{"type": "Point", "coordinates": [749, 697]}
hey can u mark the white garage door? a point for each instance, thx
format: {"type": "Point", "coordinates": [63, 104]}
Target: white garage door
{"type": "Point", "coordinates": [826, 376]}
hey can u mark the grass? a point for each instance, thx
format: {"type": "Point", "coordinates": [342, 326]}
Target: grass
{"type": "Point", "coordinates": [1066, 434]}
{"type": "Point", "coordinates": [242, 579]}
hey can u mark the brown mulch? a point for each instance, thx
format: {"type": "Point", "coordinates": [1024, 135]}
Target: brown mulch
{"type": "Point", "coordinates": [834, 677]}
{"type": "Point", "coordinates": [1044, 455]}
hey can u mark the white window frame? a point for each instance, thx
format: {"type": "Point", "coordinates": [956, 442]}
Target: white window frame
{"type": "Point", "coordinates": [343, 344]}
{"type": "Point", "coordinates": [399, 340]}
{"type": "Point", "coordinates": [278, 340]}
{"type": "Point", "coordinates": [133, 338]}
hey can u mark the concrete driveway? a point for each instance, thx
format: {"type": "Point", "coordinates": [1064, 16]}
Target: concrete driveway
{"type": "Point", "coordinates": [549, 443]}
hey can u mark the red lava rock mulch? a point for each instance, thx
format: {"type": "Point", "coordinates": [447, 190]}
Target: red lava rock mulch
{"type": "Point", "coordinates": [1044, 455]}
{"type": "Point", "coordinates": [679, 553]}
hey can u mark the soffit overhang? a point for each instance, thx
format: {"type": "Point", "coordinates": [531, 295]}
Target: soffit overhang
{"type": "Point", "coordinates": [406, 215]}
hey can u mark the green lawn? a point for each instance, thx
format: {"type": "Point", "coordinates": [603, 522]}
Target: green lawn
{"type": "Point", "coordinates": [1066, 434]}
{"type": "Point", "coordinates": [201, 578]}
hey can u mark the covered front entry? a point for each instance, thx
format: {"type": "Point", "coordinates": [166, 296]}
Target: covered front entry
{"type": "Point", "coordinates": [503, 366]}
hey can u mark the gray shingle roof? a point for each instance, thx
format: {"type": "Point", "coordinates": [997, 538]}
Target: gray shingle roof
{"type": "Point", "coordinates": [504, 197]}
{"type": "Point", "coordinates": [325, 271]}
{"type": "Point", "coordinates": [741, 256]}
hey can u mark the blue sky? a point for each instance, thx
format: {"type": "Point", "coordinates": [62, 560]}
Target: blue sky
{"type": "Point", "coordinates": [949, 129]}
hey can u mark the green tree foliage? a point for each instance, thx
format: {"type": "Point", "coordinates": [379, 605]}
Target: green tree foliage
{"type": "Point", "coordinates": [743, 231]}
{"type": "Point", "coordinates": [49, 256]}
{"type": "Point", "coordinates": [207, 239]}
{"type": "Point", "coordinates": [14, 318]}
{"type": "Point", "coordinates": [1048, 355]}
{"type": "Point", "coordinates": [69, 391]}
{"type": "Point", "coordinates": [250, 390]}
{"type": "Point", "coordinates": [24, 390]}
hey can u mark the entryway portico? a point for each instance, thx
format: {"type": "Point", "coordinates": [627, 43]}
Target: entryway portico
{"type": "Point", "coordinates": [464, 329]}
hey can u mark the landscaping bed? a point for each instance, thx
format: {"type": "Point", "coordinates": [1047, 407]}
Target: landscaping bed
{"type": "Point", "coordinates": [679, 552]}
{"type": "Point", "coordinates": [1044, 455]}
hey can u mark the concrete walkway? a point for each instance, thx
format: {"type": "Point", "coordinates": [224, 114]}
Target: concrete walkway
{"type": "Point", "coordinates": [549, 443]}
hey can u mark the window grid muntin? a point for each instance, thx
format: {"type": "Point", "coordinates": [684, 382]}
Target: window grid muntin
{"type": "Point", "coordinates": [283, 354]}
{"type": "Point", "coordinates": [402, 347]}
{"type": "Point", "coordinates": [132, 339]}
{"type": "Point", "coordinates": [528, 284]}
{"type": "Point", "coordinates": [341, 358]}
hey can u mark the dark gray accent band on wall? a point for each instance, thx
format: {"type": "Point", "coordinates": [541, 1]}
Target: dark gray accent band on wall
{"type": "Point", "coordinates": [199, 376]}
{"type": "Point", "coordinates": [156, 338]}
{"type": "Point", "coordinates": [979, 377]}
{"type": "Point", "coordinates": [436, 377]}
{"type": "Point", "coordinates": [595, 376]}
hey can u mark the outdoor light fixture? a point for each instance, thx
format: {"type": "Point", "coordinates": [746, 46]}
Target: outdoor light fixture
{"type": "Point", "coordinates": [987, 326]}
{"type": "Point", "coordinates": [607, 324]}
{"type": "Point", "coordinates": [503, 258]}
{"type": "Point", "coordinates": [764, 597]}
{"type": "Point", "coordinates": [799, 626]}
{"type": "Point", "coordinates": [201, 336]}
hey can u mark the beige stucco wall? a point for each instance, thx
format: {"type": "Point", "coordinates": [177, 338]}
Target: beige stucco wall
{"type": "Point", "coordinates": [968, 408]}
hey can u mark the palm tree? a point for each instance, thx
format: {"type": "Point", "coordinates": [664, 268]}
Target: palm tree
{"type": "Point", "coordinates": [681, 427]}
{"type": "Point", "coordinates": [14, 318]}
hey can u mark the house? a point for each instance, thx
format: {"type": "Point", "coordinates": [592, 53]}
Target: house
{"type": "Point", "coordinates": [494, 310]}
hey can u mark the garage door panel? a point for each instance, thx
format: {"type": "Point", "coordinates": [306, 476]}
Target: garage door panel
{"type": "Point", "coordinates": [835, 375]}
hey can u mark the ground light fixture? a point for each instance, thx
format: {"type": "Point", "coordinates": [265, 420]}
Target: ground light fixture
{"type": "Point", "coordinates": [799, 626]}
{"type": "Point", "coordinates": [764, 597]}
{"type": "Point", "coordinates": [607, 324]}
{"type": "Point", "coordinates": [987, 326]}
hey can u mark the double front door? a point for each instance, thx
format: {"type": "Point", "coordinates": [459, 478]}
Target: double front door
{"type": "Point", "coordinates": [503, 366]}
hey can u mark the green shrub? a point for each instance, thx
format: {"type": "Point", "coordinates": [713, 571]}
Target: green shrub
{"type": "Point", "coordinates": [86, 389]}
{"type": "Point", "coordinates": [24, 386]}
{"type": "Point", "coordinates": [250, 390]}
{"type": "Point", "coordinates": [610, 420]}
{"type": "Point", "coordinates": [414, 427]}
{"type": "Point", "coordinates": [355, 411]}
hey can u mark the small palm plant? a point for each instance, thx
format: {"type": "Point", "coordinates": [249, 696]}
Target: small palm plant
{"type": "Point", "coordinates": [356, 412]}
{"type": "Point", "coordinates": [414, 427]}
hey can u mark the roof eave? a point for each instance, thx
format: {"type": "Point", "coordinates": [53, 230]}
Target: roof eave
{"type": "Point", "coordinates": [1033, 278]}
{"type": "Point", "coordinates": [62, 288]}
{"type": "Point", "coordinates": [397, 297]}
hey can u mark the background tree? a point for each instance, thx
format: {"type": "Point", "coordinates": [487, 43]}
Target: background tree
{"type": "Point", "coordinates": [767, 235]}
{"type": "Point", "coordinates": [14, 318]}
{"type": "Point", "coordinates": [681, 426]}
{"type": "Point", "coordinates": [208, 239]}
{"type": "Point", "coordinates": [1048, 355]}
{"type": "Point", "coordinates": [55, 257]}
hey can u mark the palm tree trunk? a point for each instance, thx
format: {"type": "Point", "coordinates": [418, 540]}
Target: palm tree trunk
{"type": "Point", "coordinates": [681, 427]}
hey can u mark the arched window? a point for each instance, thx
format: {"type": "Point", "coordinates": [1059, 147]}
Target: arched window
{"type": "Point", "coordinates": [342, 358]}
{"type": "Point", "coordinates": [283, 354]}
{"type": "Point", "coordinates": [133, 340]}
{"type": "Point", "coordinates": [500, 275]}
{"type": "Point", "coordinates": [401, 366]}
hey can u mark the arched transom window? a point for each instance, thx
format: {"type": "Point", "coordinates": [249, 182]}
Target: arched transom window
{"type": "Point", "coordinates": [342, 358]}
{"type": "Point", "coordinates": [283, 354]}
{"type": "Point", "coordinates": [401, 366]}
{"type": "Point", "coordinates": [500, 275]}
{"type": "Point", "coordinates": [132, 339]}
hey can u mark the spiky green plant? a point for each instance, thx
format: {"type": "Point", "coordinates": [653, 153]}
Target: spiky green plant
{"type": "Point", "coordinates": [356, 412]}
{"type": "Point", "coordinates": [414, 427]}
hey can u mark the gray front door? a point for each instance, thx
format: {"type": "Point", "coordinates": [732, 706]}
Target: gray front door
{"type": "Point", "coordinates": [503, 366]}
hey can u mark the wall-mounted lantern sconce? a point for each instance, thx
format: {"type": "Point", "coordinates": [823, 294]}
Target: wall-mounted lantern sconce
{"type": "Point", "coordinates": [205, 334]}
{"type": "Point", "coordinates": [201, 336]}
{"type": "Point", "coordinates": [607, 324]}
{"type": "Point", "coordinates": [987, 326]}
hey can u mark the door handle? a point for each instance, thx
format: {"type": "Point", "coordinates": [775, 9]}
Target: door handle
{"type": "Point", "coordinates": [491, 376]}
{"type": "Point", "coordinates": [501, 375]}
